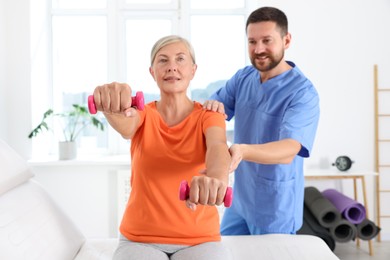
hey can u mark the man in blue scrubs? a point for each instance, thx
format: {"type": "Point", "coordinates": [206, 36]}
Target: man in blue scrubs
{"type": "Point", "coordinates": [276, 110]}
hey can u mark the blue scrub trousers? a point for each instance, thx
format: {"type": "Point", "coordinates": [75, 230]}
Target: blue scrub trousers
{"type": "Point", "coordinates": [234, 224]}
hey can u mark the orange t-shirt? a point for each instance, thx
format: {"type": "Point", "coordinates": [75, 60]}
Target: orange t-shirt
{"type": "Point", "coordinates": [162, 157]}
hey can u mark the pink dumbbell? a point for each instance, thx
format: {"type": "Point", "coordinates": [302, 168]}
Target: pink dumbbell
{"type": "Point", "coordinates": [137, 101]}
{"type": "Point", "coordinates": [184, 193]}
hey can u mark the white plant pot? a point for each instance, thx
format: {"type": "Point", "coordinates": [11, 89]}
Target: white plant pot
{"type": "Point", "coordinates": [67, 150]}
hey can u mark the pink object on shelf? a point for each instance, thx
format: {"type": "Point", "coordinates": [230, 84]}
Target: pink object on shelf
{"type": "Point", "coordinates": [184, 193]}
{"type": "Point", "coordinates": [137, 101]}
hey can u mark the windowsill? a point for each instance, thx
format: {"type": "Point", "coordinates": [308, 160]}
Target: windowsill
{"type": "Point", "coordinates": [83, 160]}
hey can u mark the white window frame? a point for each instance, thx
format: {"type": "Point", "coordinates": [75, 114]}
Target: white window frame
{"type": "Point", "coordinates": [117, 13]}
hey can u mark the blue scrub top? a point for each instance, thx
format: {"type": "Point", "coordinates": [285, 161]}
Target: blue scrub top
{"type": "Point", "coordinates": [270, 197]}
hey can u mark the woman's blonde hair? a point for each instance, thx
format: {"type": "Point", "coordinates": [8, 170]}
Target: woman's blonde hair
{"type": "Point", "coordinates": [164, 41]}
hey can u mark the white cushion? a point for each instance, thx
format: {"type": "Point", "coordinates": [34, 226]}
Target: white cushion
{"type": "Point", "coordinates": [32, 226]}
{"type": "Point", "coordinates": [14, 169]}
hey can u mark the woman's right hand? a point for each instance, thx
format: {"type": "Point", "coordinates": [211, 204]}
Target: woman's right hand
{"type": "Point", "coordinates": [114, 98]}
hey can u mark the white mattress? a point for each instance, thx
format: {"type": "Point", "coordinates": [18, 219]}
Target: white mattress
{"type": "Point", "coordinates": [269, 247]}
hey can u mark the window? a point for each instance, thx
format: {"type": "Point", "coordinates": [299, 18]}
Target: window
{"type": "Point", "coordinates": [92, 42]}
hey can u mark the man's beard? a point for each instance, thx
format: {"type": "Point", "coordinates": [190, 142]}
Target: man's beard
{"type": "Point", "coordinates": [272, 62]}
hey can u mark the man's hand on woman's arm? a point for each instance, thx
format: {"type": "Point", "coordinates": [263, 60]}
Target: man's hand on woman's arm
{"type": "Point", "coordinates": [215, 106]}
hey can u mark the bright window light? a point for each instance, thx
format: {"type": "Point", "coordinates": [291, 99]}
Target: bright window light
{"type": "Point", "coordinates": [76, 4]}
{"type": "Point", "coordinates": [139, 45]}
{"type": "Point", "coordinates": [148, 1]}
{"type": "Point", "coordinates": [219, 43]}
{"type": "Point", "coordinates": [87, 43]}
{"type": "Point", "coordinates": [217, 4]}
{"type": "Point", "coordinates": [79, 53]}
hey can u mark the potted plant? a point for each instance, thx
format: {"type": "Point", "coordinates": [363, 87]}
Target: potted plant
{"type": "Point", "coordinates": [72, 123]}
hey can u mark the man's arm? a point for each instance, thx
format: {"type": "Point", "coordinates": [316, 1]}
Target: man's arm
{"type": "Point", "coordinates": [278, 152]}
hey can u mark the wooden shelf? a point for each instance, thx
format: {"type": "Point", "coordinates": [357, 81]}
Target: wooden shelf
{"type": "Point", "coordinates": [378, 164]}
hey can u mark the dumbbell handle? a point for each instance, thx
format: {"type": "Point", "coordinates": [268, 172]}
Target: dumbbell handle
{"type": "Point", "coordinates": [184, 193]}
{"type": "Point", "coordinates": [136, 101]}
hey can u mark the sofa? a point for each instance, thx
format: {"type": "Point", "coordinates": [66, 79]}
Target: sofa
{"type": "Point", "coordinates": [34, 227]}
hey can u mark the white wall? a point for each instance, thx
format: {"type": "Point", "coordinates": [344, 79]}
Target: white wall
{"type": "Point", "coordinates": [15, 86]}
{"type": "Point", "coordinates": [335, 43]}
{"type": "Point", "coordinates": [2, 69]}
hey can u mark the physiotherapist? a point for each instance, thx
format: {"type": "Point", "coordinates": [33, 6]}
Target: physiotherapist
{"type": "Point", "coordinates": [276, 111]}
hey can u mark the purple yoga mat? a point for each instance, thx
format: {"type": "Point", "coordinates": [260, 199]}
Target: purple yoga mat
{"type": "Point", "coordinates": [350, 209]}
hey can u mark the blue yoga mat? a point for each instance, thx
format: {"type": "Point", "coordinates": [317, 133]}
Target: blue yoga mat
{"type": "Point", "coordinates": [350, 209]}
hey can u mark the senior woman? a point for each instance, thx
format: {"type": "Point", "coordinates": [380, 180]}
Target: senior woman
{"type": "Point", "coordinates": [172, 139]}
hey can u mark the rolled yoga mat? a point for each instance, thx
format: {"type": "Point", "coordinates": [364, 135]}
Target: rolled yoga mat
{"type": "Point", "coordinates": [343, 231]}
{"type": "Point", "coordinates": [322, 209]}
{"type": "Point", "coordinates": [367, 229]}
{"type": "Point", "coordinates": [312, 227]}
{"type": "Point", "coordinates": [350, 209]}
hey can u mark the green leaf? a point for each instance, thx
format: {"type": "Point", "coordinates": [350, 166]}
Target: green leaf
{"type": "Point", "coordinates": [75, 121]}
